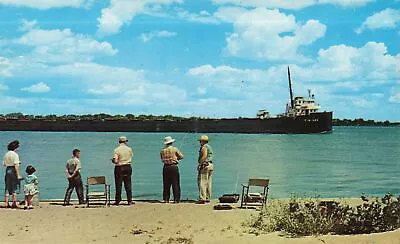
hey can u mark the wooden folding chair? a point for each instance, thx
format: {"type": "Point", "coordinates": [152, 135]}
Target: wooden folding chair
{"type": "Point", "coordinates": [245, 192]}
{"type": "Point", "coordinates": [97, 195]}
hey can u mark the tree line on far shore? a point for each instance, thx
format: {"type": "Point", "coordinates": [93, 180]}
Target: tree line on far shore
{"type": "Point", "coordinates": [96, 117]}
{"type": "Point", "coordinates": [103, 116]}
{"type": "Point", "coordinates": [362, 122]}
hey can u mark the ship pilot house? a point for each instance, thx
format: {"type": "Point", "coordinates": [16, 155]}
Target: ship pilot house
{"type": "Point", "coordinates": [300, 106]}
{"type": "Point", "coordinates": [304, 106]}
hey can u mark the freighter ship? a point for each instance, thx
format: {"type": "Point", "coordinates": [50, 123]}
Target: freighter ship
{"type": "Point", "coordinates": [302, 116]}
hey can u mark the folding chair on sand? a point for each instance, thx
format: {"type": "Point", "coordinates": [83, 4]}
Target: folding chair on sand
{"type": "Point", "coordinates": [255, 199]}
{"type": "Point", "coordinates": [94, 181]}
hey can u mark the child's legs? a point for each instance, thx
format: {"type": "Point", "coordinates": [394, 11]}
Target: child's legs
{"type": "Point", "coordinates": [30, 197]}
{"type": "Point", "coordinates": [26, 200]}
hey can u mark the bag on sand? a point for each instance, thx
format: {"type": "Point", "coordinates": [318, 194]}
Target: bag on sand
{"type": "Point", "coordinates": [229, 198]}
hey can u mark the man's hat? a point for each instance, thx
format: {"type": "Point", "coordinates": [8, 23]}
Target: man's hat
{"type": "Point", "coordinates": [203, 138]}
{"type": "Point", "coordinates": [123, 139]}
{"type": "Point", "coordinates": [168, 140]}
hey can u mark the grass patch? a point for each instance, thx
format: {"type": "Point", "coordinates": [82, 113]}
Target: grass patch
{"type": "Point", "coordinates": [312, 217]}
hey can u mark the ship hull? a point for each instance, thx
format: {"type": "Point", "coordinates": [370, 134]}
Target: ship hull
{"type": "Point", "coordinates": [313, 123]}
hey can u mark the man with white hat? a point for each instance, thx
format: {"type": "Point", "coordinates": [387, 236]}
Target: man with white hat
{"type": "Point", "coordinates": [205, 170]}
{"type": "Point", "coordinates": [122, 159]}
{"type": "Point", "coordinates": [170, 156]}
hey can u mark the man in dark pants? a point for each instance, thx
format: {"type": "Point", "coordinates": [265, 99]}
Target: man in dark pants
{"type": "Point", "coordinates": [73, 168]}
{"type": "Point", "coordinates": [122, 160]}
{"type": "Point", "coordinates": [170, 156]}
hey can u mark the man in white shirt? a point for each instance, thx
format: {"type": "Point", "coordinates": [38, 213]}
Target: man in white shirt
{"type": "Point", "coordinates": [122, 160]}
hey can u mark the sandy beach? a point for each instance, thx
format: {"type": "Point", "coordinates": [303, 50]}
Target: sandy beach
{"type": "Point", "coordinates": [147, 222]}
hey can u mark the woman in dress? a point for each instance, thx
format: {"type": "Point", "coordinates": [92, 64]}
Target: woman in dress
{"type": "Point", "coordinates": [12, 176]}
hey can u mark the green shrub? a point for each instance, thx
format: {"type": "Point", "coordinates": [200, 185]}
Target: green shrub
{"type": "Point", "coordinates": [378, 215]}
{"type": "Point", "coordinates": [314, 217]}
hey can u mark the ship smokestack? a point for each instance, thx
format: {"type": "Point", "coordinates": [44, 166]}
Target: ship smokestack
{"type": "Point", "coordinates": [290, 88]}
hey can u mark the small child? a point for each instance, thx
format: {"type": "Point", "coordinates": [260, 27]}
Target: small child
{"type": "Point", "coordinates": [31, 186]}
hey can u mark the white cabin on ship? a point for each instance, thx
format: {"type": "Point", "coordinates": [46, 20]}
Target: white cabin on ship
{"type": "Point", "coordinates": [303, 106]}
{"type": "Point", "coordinates": [263, 114]}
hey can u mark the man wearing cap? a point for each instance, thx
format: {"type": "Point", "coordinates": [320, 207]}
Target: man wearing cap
{"type": "Point", "coordinates": [170, 156]}
{"type": "Point", "coordinates": [205, 170]}
{"type": "Point", "coordinates": [122, 160]}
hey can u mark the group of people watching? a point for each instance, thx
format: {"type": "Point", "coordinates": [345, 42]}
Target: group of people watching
{"type": "Point", "coordinates": [171, 156]}
{"type": "Point", "coordinates": [122, 160]}
{"type": "Point", "coordinates": [13, 177]}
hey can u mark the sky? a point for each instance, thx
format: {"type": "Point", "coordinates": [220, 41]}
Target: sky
{"type": "Point", "coordinates": [210, 58]}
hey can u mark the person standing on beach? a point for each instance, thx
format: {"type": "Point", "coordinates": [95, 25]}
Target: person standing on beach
{"type": "Point", "coordinates": [205, 170]}
{"type": "Point", "coordinates": [73, 168]}
{"type": "Point", "coordinates": [12, 177]}
{"type": "Point", "coordinates": [31, 186]}
{"type": "Point", "coordinates": [122, 159]}
{"type": "Point", "coordinates": [170, 156]}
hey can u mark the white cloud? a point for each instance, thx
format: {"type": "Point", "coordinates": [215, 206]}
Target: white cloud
{"type": "Point", "coordinates": [201, 90]}
{"type": "Point", "coordinates": [347, 3]}
{"type": "Point", "coordinates": [291, 4]}
{"type": "Point", "coordinates": [3, 87]}
{"type": "Point", "coordinates": [264, 34]}
{"type": "Point", "coordinates": [369, 64]}
{"type": "Point", "coordinates": [96, 75]}
{"type": "Point", "coordinates": [286, 4]}
{"type": "Point", "coordinates": [146, 37]}
{"type": "Point", "coordinates": [395, 98]}
{"type": "Point", "coordinates": [201, 17]}
{"type": "Point", "coordinates": [37, 88]}
{"type": "Point", "coordinates": [208, 70]}
{"type": "Point", "coordinates": [27, 25]}
{"type": "Point", "coordinates": [341, 69]}
{"type": "Point", "coordinates": [362, 102]}
{"type": "Point", "coordinates": [235, 80]}
{"type": "Point", "coordinates": [395, 94]}
{"type": "Point", "coordinates": [13, 104]}
{"type": "Point", "coordinates": [5, 66]}
{"type": "Point", "coordinates": [111, 86]}
{"type": "Point", "coordinates": [106, 88]}
{"type": "Point", "coordinates": [386, 19]}
{"type": "Point", "coordinates": [121, 12]}
{"type": "Point", "coordinates": [252, 85]}
{"type": "Point", "coordinates": [46, 4]}
{"type": "Point", "coordinates": [204, 13]}
{"type": "Point", "coordinates": [126, 86]}
{"type": "Point", "coordinates": [58, 45]}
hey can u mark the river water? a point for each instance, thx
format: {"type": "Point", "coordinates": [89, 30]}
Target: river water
{"type": "Point", "coordinates": [346, 163]}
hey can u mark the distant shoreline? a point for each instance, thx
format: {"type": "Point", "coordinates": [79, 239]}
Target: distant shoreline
{"type": "Point", "coordinates": [362, 122]}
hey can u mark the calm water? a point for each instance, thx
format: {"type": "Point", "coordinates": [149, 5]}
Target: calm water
{"type": "Point", "coordinates": [346, 163]}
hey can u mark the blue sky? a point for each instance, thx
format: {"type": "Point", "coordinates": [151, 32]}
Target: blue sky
{"type": "Point", "coordinates": [216, 58]}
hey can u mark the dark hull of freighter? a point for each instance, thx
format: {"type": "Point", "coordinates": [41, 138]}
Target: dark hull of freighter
{"type": "Point", "coordinates": [313, 123]}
